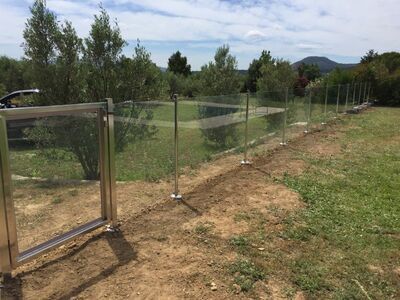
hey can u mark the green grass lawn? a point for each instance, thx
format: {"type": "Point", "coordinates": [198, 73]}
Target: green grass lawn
{"type": "Point", "coordinates": [345, 243]}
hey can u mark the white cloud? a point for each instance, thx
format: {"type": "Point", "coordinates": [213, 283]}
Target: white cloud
{"type": "Point", "coordinates": [255, 34]}
{"type": "Point", "coordinates": [290, 29]}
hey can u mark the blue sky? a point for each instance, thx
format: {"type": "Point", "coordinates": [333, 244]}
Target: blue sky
{"type": "Point", "coordinates": [342, 30]}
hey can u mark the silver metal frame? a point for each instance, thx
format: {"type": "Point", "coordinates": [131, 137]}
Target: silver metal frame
{"type": "Point", "coordinates": [365, 92]}
{"type": "Point", "coordinates": [284, 142]}
{"type": "Point", "coordinates": [10, 257]}
{"type": "Point", "coordinates": [245, 160]}
{"type": "Point", "coordinates": [326, 106]}
{"type": "Point", "coordinates": [175, 195]}
{"type": "Point", "coordinates": [337, 100]}
{"type": "Point", "coordinates": [347, 97]}
{"type": "Point", "coordinates": [307, 130]}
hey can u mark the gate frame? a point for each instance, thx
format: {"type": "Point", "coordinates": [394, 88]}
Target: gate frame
{"type": "Point", "coordinates": [10, 257]}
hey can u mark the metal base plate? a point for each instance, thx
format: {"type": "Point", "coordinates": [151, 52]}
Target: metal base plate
{"type": "Point", "coordinates": [110, 228]}
{"type": "Point", "coordinates": [176, 197]}
{"type": "Point", "coordinates": [245, 162]}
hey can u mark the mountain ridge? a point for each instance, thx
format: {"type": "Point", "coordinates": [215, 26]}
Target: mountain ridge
{"type": "Point", "coordinates": [325, 64]}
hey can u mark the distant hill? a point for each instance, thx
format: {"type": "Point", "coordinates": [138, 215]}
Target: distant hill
{"type": "Point", "coordinates": [325, 64]}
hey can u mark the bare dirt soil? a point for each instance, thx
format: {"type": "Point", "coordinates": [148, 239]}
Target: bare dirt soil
{"type": "Point", "coordinates": [165, 249]}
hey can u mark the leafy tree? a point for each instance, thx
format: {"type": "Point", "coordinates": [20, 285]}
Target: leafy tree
{"type": "Point", "coordinates": [13, 74]}
{"type": "Point", "coordinates": [309, 71]}
{"type": "Point", "coordinates": [276, 77]}
{"type": "Point", "coordinates": [54, 54]}
{"type": "Point", "coordinates": [383, 72]}
{"type": "Point", "coordinates": [40, 34]}
{"type": "Point", "coordinates": [254, 71]}
{"type": "Point", "coordinates": [369, 57]}
{"type": "Point", "coordinates": [177, 64]}
{"type": "Point", "coordinates": [138, 77]}
{"type": "Point", "coordinates": [69, 75]}
{"type": "Point", "coordinates": [339, 76]}
{"type": "Point", "coordinates": [102, 53]}
{"type": "Point", "coordinates": [220, 77]}
{"type": "Point", "coordinates": [3, 90]}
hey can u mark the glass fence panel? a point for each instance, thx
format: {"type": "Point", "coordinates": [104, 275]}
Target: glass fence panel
{"type": "Point", "coordinates": [297, 113]}
{"type": "Point", "coordinates": [210, 126]}
{"type": "Point", "coordinates": [317, 107]}
{"type": "Point", "coordinates": [266, 119]}
{"type": "Point", "coordinates": [144, 140]}
{"type": "Point", "coordinates": [55, 174]}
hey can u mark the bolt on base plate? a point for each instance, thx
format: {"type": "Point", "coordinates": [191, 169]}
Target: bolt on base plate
{"type": "Point", "coordinates": [283, 144]}
{"type": "Point", "coordinates": [245, 162]}
{"type": "Point", "coordinates": [176, 197]}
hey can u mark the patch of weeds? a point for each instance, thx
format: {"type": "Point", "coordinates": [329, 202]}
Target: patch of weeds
{"type": "Point", "coordinates": [203, 228]}
{"type": "Point", "coordinates": [73, 193]}
{"type": "Point", "coordinates": [239, 241]}
{"type": "Point", "coordinates": [289, 292]}
{"type": "Point", "coordinates": [246, 274]}
{"type": "Point", "coordinates": [309, 276]}
{"type": "Point", "coordinates": [57, 200]}
{"type": "Point", "coordinates": [242, 216]}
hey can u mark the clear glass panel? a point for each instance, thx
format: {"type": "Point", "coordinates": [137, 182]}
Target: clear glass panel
{"type": "Point", "coordinates": [55, 174]}
{"type": "Point", "coordinates": [210, 126]}
{"type": "Point", "coordinates": [317, 106]}
{"type": "Point", "coordinates": [297, 113]}
{"type": "Point", "coordinates": [144, 132]}
{"type": "Point", "coordinates": [144, 140]}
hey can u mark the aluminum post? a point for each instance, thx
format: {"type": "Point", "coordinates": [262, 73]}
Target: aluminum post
{"type": "Point", "coordinates": [7, 211]}
{"type": "Point", "coordinates": [365, 92]}
{"type": "Point", "coordinates": [245, 160]}
{"type": "Point", "coordinates": [347, 96]}
{"type": "Point", "coordinates": [5, 251]}
{"type": "Point", "coordinates": [175, 195]}
{"type": "Point", "coordinates": [111, 163]}
{"type": "Point", "coordinates": [326, 105]}
{"type": "Point", "coordinates": [337, 100]}
{"type": "Point", "coordinates": [309, 113]}
{"type": "Point", "coordinates": [369, 91]}
{"type": "Point", "coordinates": [284, 143]}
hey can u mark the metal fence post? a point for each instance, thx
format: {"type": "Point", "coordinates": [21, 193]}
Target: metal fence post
{"type": "Point", "coordinates": [309, 113]}
{"type": "Point", "coordinates": [365, 91]}
{"type": "Point", "coordinates": [245, 160]}
{"type": "Point", "coordinates": [8, 234]}
{"type": "Point", "coordinates": [337, 100]}
{"type": "Point", "coordinates": [175, 195]}
{"type": "Point", "coordinates": [283, 143]}
{"type": "Point", "coordinates": [359, 94]}
{"type": "Point", "coordinates": [111, 163]}
{"type": "Point", "coordinates": [369, 90]}
{"type": "Point", "coordinates": [354, 93]}
{"type": "Point", "coordinates": [326, 105]}
{"type": "Point", "coordinates": [347, 96]}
